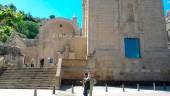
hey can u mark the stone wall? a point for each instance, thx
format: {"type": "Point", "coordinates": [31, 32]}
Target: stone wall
{"type": "Point", "coordinates": [12, 55]}
{"type": "Point", "coordinates": [57, 38]}
{"type": "Point", "coordinates": [74, 69]}
{"type": "Point", "coordinates": [109, 22]}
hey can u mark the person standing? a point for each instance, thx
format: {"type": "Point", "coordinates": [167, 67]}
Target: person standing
{"type": "Point", "coordinates": [88, 83]}
{"type": "Point", "coordinates": [92, 83]}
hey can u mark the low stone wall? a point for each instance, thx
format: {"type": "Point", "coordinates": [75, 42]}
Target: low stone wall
{"type": "Point", "coordinates": [5, 50]}
{"type": "Point", "coordinates": [73, 69]}
{"type": "Point", "coordinates": [76, 63]}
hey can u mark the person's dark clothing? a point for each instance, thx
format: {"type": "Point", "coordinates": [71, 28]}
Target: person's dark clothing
{"type": "Point", "coordinates": [86, 86]}
{"type": "Point", "coordinates": [85, 92]}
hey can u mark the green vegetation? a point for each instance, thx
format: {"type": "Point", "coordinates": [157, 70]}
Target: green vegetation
{"type": "Point", "coordinates": [5, 32]}
{"type": "Point", "coordinates": [11, 20]}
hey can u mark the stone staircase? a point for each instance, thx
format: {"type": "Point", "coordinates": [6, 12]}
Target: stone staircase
{"type": "Point", "coordinates": [29, 78]}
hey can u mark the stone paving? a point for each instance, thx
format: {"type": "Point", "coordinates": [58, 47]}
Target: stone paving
{"type": "Point", "coordinates": [117, 91]}
{"type": "Point", "coordinates": [98, 91]}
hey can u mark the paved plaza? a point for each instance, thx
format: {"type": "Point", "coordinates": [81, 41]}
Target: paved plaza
{"type": "Point", "coordinates": [98, 91]}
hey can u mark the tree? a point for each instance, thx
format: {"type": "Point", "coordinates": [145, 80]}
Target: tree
{"type": "Point", "coordinates": [9, 17]}
{"type": "Point", "coordinates": [25, 24]}
{"type": "Point", "coordinates": [8, 20]}
{"type": "Point", "coordinates": [52, 16]}
{"type": "Point", "coordinates": [12, 7]}
{"type": "Point", "coordinates": [1, 6]}
{"type": "Point", "coordinates": [5, 32]}
{"type": "Point", "coordinates": [28, 28]}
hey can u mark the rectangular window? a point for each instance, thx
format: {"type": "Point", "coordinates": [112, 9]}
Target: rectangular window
{"type": "Point", "coordinates": [50, 60]}
{"type": "Point", "coordinates": [132, 48]}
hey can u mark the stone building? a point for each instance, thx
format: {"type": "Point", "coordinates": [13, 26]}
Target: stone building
{"type": "Point", "coordinates": [57, 38]}
{"type": "Point", "coordinates": [122, 40]}
{"type": "Point", "coordinates": [127, 39]}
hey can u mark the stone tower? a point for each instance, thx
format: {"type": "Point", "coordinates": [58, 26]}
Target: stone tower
{"type": "Point", "coordinates": [127, 39]}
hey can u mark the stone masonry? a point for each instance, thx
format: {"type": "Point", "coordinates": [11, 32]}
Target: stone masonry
{"type": "Point", "coordinates": [108, 22]}
{"type": "Point", "coordinates": [101, 47]}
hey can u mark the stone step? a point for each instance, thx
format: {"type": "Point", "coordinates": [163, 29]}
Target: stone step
{"type": "Point", "coordinates": [15, 68]}
{"type": "Point", "coordinates": [21, 76]}
{"type": "Point", "coordinates": [28, 78]}
{"type": "Point", "coordinates": [30, 71]}
{"type": "Point", "coordinates": [38, 80]}
{"type": "Point", "coordinates": [13, 72]}
{"type": "Point", "coordinates": [35, 74]}
{"type": "Point", "coordinates": [29, 75]}
{"type": "Point", "coordinates": [28, 87]}
{"type": "Point", "coordinates": [24, 80]}
{"type": "Point", "coordinates": [31, 80]}
{"type": "Point", "coordinates": [28, 83]}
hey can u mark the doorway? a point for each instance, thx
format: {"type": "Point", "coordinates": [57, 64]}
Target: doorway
{"type": "Point", "coordinates": [42, 63]}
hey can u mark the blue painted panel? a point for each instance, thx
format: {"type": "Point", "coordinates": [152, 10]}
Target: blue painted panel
{"type": "Point", "coordinates": [132, 48]}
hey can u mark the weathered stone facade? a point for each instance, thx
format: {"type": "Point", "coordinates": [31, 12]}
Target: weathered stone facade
{"type": "Point", "coordinates": [57, 38]}
{"type": "Point", "coordinates": [13, 50]}
{"type": "Point", "coordinates": [108, 22]}
{"type": "Point", "coordinates": [101, 48]}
